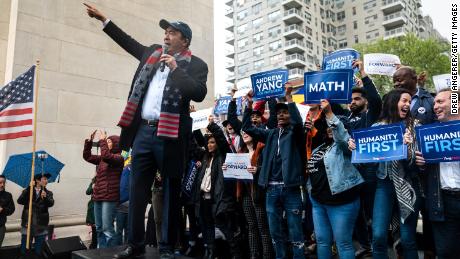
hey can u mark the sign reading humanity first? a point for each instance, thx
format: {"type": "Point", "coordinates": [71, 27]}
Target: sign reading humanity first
{"type": "Point", "coordinates": [439, 142]}
{"type": "Point", "coordinates": [340, 59]}
{"type": "Point", "coordinates": [269, 84]}
{"type": "Point", "coordinates": [380, 143]}
{"type": "Point", "coordinates": [333, 85]}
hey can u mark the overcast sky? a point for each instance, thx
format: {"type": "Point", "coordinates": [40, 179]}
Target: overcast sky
{"type": "Point", "coordinates": [439, 10]}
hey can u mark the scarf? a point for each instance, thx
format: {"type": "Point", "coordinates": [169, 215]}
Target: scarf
{"type": "Point", "coordinates": [168, 124]}
{"type": "Point", "coordinates": [405, 193]}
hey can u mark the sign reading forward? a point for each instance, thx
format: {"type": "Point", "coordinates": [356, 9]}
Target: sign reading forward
{"type": "Point", "coordinates": [237, 166]}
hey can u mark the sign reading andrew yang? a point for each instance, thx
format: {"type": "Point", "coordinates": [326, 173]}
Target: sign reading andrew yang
{"type": "Point", "coordinates": [333, 85]}
{"type": "Point", "coordinates": [221, 106]}
{"type": "Point", "coordinates": [340, 59]}
{"type": "Point", "coordinates": [439, 142]}
{"type": "Point", "coordinates": [269, 84]}
{"type": "Point", "coordinates": [380, 143]}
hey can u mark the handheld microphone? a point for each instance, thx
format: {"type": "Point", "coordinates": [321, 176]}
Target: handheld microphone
{"type": "Point", "coordinates": [163, 64]}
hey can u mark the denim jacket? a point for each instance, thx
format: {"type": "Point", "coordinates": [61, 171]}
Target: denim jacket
{"type": "Point", "coordinates": [341, 173]}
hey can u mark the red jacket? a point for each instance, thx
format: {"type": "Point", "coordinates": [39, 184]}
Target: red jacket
{"type": "Point", "coordinates": [108, 171]}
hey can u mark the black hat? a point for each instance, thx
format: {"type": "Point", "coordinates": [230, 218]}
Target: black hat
{"type": "Point", "coordinates": [225, 123]}
{"type": "Point", "coordinates": [256, 112]}
{"type": "Point", "coordinates": [39, 176]}
{"type": "Point", "coordinates": [177, 25]}
{"type": "Point", "coordinates": [281, 106]}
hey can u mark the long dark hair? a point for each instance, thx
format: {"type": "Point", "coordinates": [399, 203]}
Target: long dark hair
{"type": "Point", "coordinates": [390, 111]}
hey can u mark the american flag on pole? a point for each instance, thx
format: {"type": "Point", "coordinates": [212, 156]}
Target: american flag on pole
{"type": "Point", "coordinates": [16, 107]}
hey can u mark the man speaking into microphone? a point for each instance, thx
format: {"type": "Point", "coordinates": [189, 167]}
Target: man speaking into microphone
{"type": "Point", "coordinates": [156, 123]}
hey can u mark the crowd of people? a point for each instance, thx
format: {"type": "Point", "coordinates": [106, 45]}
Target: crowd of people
{"type": "Point", "coordinates": [303, 181]}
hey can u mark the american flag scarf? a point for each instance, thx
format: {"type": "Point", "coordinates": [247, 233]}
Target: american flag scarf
{"type": "Point", "coordinates": [168, 125]}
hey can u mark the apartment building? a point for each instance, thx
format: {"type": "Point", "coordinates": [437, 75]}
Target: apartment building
{"type": "Point", "coordinates": [296, 34]}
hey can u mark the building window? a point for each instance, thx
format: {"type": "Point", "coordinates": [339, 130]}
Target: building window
{"type": "Point", "coordinates": [275, 59]}
{"type": "Point", "coordinates": [243, 42]}
{"type": "Point", "coordinates": [256, 8]}
{"type": "Point", "coordinates": [242, 14]}
{"type": "Point", "coordinates": [369, 4]}
{"type": "Point", "coordinates": [309, 44]}
{"type": "Point", "coordinates": [258, 63]}
{"type": "Point", "coordinates": [355, 25]}
{"type": "Point", "coordinates": [307, 16]}
{"type": "Point", "coordinates": [343, 44]}
{"type": "Point", "coordinates": [341, 29]}
{"type": "Point", "coordinates": [308, 31]}
{"type": "Point", "coordinates": [243, 55]}
{"type": "Point", "coordinates": [356, 39]}
{"type": "Point", "coordinates": [243, 69]}
{"type": "Point", "coordinates": [273, 16]}
{"type": "Point", "coordinates": [242, 28]}
{"type": "Point", "coordinates": [240, 2]}
{"type": "Point", "coordinates": [272, 3]}
{"type": "Point", "coordinates": [274, 31]}
{"type": "Point", "coordinates": [323, 27]}
{"type": "Point", "coordinates": [274, 45]}
{"type": "Point", "coordinates": [353, 10]}
{"type": "Point", "coordinates": [258, 51]}
{"type": "Point", "coordinates": [258, 37]}
{"type": "Point", "coordinates": [257, 22]}
{"type": "Point", "coordinates": [340, 16]}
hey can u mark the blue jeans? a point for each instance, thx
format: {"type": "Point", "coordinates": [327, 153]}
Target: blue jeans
{"type": "Point", "coordinates": [335, 223]}
{"type": "Point", "coordinates": [104, 215]}
{"type": "Point", "coordinates": [384, 204]}
{"type": "Point", "coordinates": [37, 245]}
{"type": "Point", "coordinates": [289, 200]}
{"type": "Point", "coordinates": [447, 232]}
{"type": "Point", "coordinates": [121, 231]}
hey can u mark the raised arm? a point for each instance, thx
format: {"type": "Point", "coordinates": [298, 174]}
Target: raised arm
{"type": "Point", "coordinates": [339, 133]}
{"type": "Point", "coordinates": [253, 131]}
{"type": "Point", "coordinates": [125, 41]}
{"type": "Point", "coordinates": [219, 136]}
{"type": "Point", "coordinates": [232, 115]}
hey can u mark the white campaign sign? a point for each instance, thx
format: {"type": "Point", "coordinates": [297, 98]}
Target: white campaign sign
{"type": "Point", "coordinates": [441, 81]}
{"type": "Point", "coordinates": [200, 118]}
{"type": "Point", "coordinates": [303, 110]}
{"type": "Point", "coordinates": [244, 86]}
{"type": "Point", "coordinates": [237, 166]}
{"type": "Point", "coordinates": [380, 64]}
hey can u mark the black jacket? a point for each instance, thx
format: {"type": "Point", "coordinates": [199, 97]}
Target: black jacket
{"type": "Point", "coordinates": [7, 204]}
{"type": "Point", "coordinates": [423, 107]}
{"type": "Point", "coordinates": [40, 215]}
{"type": "Point", "coordinates": [292, 147]}
{"type": "Point", "coordinates": [189, 79]}
{"type": "Point", "coordinates": [221, 199]}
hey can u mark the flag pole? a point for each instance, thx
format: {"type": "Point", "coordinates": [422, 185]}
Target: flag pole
{"type": "Point", "coordinates": [34, 141]}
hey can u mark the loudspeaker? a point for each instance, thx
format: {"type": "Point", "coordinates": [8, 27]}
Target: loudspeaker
{"type": "Point", "coordinates": [62, 247]}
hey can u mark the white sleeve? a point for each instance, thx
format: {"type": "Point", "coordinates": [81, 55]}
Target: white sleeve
{"type": "Point", "coordinates": [105, 23]}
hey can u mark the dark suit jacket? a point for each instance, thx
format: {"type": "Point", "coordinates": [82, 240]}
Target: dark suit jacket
{"type": "Point", "coordinates": [191, 82]}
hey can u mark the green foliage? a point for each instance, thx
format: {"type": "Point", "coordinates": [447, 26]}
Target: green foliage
{"type": "Point", "coordinates": [428, 55]}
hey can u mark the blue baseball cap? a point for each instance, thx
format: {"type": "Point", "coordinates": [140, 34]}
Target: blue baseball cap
{"type": "Point", "coordinates": [178, 25]}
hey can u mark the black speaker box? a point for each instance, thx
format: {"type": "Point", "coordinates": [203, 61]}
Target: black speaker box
{"type": "Point", "coordinates": [62, 247]}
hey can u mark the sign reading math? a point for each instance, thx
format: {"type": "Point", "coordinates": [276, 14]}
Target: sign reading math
{"type": "Point", "coordinates": [333, 85]}
{"type": "Point", "coordinates": [340, 59]}
{"type": "Point", "coordinates": [237, 166]}
{"type": "Point", "coordinates": [380, 143]}
{"type": "Point", "coordinates": [439, 142]}
{"type": "Point", "coordinates": [223, 102]}
{"type": "Point", "coordinates": [269, 84]}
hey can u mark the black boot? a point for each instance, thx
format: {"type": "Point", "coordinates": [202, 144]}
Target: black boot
{"type": "Point", "coordinates": [209, 253]}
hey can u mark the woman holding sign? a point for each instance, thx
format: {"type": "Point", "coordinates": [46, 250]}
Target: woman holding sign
{"type": "Point", "coordinates": [334, 188]}
{"type": "Point", "coordinates": [398, 183]}
{"type": "Point", "coordinates": [208, 192]}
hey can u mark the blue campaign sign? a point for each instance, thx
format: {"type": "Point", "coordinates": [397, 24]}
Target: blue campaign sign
{"type": "Point", "coordinates": [340, 59]}
{"type": "Point", "coordinates": [221, 106]}
{"type": "Point", "coordinates": [269, 84]}
{"type": "Point", "coordinates": [334, 85]}
{"type": "Point", "coordinates": [439, 142]}
{"type": "Point", "coordinates": [380, 143]}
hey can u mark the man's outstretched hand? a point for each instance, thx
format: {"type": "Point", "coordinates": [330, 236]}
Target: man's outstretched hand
{"type": "Point", "coordinates": [94, 13]}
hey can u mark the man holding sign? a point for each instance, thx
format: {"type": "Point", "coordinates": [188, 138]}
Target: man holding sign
{"type": "Point", "coordinates": [443, 187]}
{"type": "Point", "coordinates": [282, 173]}
{"type": "Point", "coordinates": [334, 86]}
